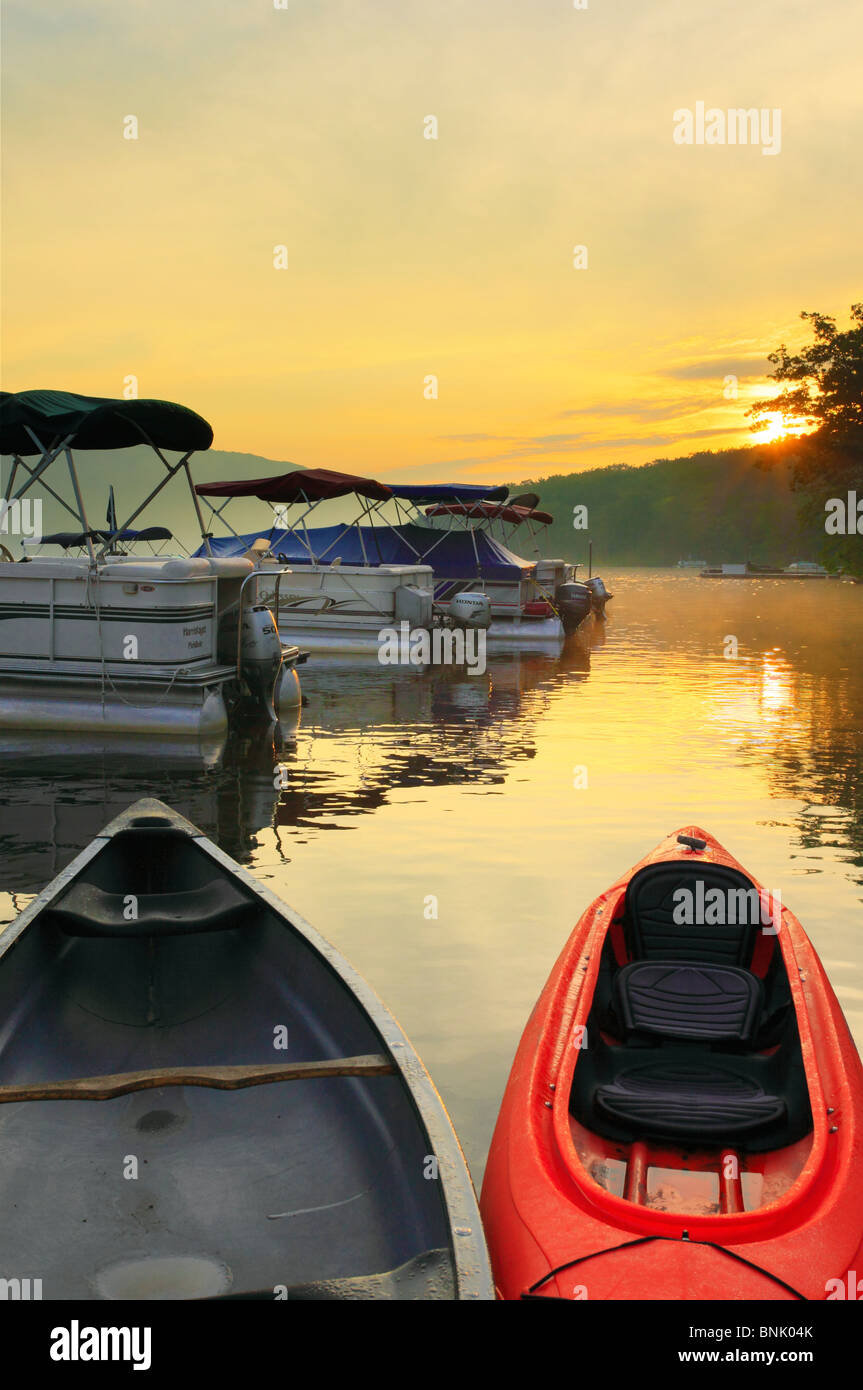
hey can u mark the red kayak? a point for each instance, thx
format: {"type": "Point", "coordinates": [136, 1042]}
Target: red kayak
{"type": "Point", "coordinates": [684, 1116]}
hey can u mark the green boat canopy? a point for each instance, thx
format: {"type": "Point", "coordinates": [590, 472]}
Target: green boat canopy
{"type": "Point", "coordinates": [97, 422]}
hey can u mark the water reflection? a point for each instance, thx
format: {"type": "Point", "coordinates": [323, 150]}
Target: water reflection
{"type": "Point", "coordinates": [462, 787]}
{"type": "Point", "coordinates": [364, 731]}
{"type": "Point", "coordinates": [791, 707]}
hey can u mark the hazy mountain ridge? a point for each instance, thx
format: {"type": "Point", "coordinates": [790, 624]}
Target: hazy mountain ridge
{"type": "Point", "coordinates": [711, 506]}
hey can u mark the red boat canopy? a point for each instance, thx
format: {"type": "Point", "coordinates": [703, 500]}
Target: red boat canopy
{"type": "Point", "coordinates": [487, 511]}
{"type": "Point", "coordinates": [303, 485]}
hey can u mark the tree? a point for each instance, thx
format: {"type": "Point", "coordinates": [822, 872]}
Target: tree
{"type": "Point", "coordinates": [823, 390]}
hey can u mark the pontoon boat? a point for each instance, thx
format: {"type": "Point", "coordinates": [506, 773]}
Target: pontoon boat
{"type": "Point", "coordinates": [101, 636]}
{"type": "Point", "coordinates": [391, 562]}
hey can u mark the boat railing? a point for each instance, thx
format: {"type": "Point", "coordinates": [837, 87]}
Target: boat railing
{"type": "Point", "coordinates": [255, 575]}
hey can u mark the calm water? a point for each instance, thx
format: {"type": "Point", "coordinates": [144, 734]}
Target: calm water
{"type": "Point", "coordinates": [409, 784]}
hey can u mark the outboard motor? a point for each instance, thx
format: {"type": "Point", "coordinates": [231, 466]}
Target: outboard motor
{"type": "Point", "coordinates": [600, 595]}
{"type": "Point", "coordinates": [261, 656]}
{"type": "Point", "coordinates": [574, 602]}
{"type": "Point", "coordinates": [470, 609]}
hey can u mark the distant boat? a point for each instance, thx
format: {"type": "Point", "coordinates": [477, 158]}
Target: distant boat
{"type": "Point", "coordinates": [800, 569]}
{"type": "Point", "coordinates": [691, 564]}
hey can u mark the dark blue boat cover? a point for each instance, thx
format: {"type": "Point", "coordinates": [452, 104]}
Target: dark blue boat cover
{"type": "Point", "coordinates": [448, 492]}
{"type": "Point", "coordinates": [450, 553]}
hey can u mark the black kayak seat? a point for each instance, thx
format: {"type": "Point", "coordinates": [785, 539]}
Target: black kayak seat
{"type": "Point", "coordinates": [689, 1100]}
{"type": "Point", "coordinates": [652, 914]}
{"type": "Point", "coordinates": [705, 1054]}
{"type": "Point", "coordinates": [87, 910]}
{"type": "Point", "coordinates": [675, 999]}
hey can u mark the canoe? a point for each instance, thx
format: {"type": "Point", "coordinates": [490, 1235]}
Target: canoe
{"type": "Point", "coordinates": [683, 1116]}
{"type": "Point", "coordinates": [200, 1098]}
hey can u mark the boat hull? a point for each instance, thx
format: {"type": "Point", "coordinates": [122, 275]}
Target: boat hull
{"type": "Point", "coordinates": [361, 634]}
{"type": "Point", "coordinates": [525, 632]}
{"type": "Point", "coordinates": [136, 646]}
{"type": "Point", "coordinates": [557, 1224]}
{"type": "Point", "coordinates": [189, 709]}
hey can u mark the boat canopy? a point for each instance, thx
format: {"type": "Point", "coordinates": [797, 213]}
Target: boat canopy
{"type": "Point", "coordinates": [97, 422]}
{"type": "Point", "coordinates": [69, 539]}
{"type": "Point", "coordinates": [488, 511]}
{"type": "Point", "coordinates": [448, 492]}
{"type": "Point", "coordinates": [302, 485]}
{"type": "Point", "coordinates": [451, 554]}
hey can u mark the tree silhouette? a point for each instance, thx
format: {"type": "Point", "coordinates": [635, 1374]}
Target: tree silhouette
{"type": "Point", "coordinates": [823, 390]}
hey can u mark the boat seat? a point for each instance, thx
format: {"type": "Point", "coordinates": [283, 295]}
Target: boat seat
{"type": "Point", "coordinates": [675, 999]}
{"type": "Point", "coordinates": [652, 933]}
{"type": "Point", "coordinates": [689, 1051]}
{"type": "Point", "coordinates": [87, 910]}
{"type": "Point", "coordinates": [690, 1101]}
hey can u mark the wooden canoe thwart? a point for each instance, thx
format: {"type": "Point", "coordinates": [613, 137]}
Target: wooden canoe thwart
{"type": "Point", "coordinates": [350, 1186]}
{"type": "Point", "coordinates": [219, 1078]}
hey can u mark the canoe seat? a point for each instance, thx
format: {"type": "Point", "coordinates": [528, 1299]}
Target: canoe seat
{"type": "Point", "coordinates": [697, 1103]}
{"type": "Point", "coordinates": [87, 910]}
{"type": "Point", "coordinates": [674, 999]}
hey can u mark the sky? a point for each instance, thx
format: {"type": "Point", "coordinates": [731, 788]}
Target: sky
{"type": "Point", "coordinates": [149, 263]}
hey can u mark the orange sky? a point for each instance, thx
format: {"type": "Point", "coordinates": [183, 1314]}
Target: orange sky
{"type": "Point", "coordinates": [410, 257]}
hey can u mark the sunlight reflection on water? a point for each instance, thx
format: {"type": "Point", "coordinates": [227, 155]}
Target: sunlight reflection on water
{"type": "Point", "coordinates": [404, 784]}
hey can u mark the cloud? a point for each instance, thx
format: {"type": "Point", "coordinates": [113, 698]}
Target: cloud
{"type": "Point", "coordinates": [656, 410]}
{"type": "Point", "coordinates": [473, 438]}
{"type": "Point", "coordinates": [531, 448]}
{"type": "Point", "coordinates": [718, 367]}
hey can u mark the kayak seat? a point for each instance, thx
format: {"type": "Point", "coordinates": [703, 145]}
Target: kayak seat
{"type": "Point", "coordinates": [673, 999]}
{"type": "Point", "coordinates": [691, 1053]}
{"type": "Point", "coordinates": [669, 912]}
{"type": "Point", "coordinates": [88, 910]}
{"type": "Point", "coordinates": [696, 1103]}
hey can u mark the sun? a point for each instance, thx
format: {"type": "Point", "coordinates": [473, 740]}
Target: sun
{"type": "Point", "coordinates": [772, 426]}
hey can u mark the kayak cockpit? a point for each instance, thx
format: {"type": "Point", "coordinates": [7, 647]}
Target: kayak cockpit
{"type": "Point", "coordinates": [689, 1092]}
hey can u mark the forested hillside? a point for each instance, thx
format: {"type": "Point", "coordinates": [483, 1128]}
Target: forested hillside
{"type": "Point", "coordinates": [711, 506]}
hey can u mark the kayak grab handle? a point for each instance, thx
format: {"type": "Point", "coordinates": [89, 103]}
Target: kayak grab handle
{"type": "Point", "coordinates": [692, 841]}
{"type": "Point", "coordinates": [87, 910]}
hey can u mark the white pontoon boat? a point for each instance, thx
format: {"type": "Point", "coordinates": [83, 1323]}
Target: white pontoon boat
{"type": "Point", "coordinates": [392, 563]}
{"type": "Point", "coordinates": [101, 636]}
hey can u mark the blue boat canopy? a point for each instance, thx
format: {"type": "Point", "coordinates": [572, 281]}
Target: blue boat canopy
{"type": "Point", "coordinates": [448, 492]}
{"type": "Point", "coordinates": [451, 554]}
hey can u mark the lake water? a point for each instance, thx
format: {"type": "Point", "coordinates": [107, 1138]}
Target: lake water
{"type": "Point", "coordinates": [402, 785]}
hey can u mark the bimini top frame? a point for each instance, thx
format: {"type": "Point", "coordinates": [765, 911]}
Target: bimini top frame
{"type": "Point", "coordinates": [306, 487]}
{"type": "Point", "coordinates": [46, 424]}
{"type": "Point", "coordinates": [310, 487]}
{"type": "Point", "coordinates": [517, 514]}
